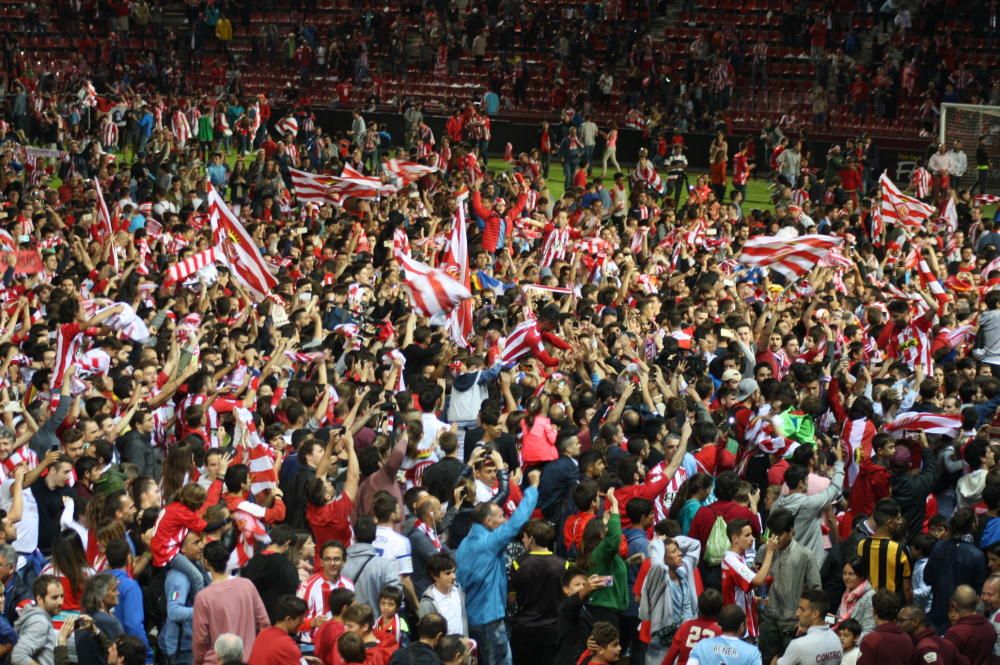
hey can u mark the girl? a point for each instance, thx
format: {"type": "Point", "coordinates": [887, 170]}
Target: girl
{"type": "Point", "coordinates": [599, 556]}
{"type": "Point", "coordinates": [178, 518]}
{"type": "Point", "coordinates": [69, 564]}
{"type": "Point", "coordinates": [689, 499]}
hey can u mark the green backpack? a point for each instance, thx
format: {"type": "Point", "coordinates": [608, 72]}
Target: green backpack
{"type": "Point", "coordinates": [717, 543]}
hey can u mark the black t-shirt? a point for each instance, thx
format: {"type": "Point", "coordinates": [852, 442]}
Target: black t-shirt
{"type": "Point", "coordinates": [274, 576]}
{"type": "Point", "coordinates": [505, 444]}
{"type": "Point", "coordinates": [536, 581]}
{"type": "Point", "coordinates": [50, 507]}
{"type": "Point", "coordinates": [440, 478]}
{"type": "Point", "coordinates": [573, 626]}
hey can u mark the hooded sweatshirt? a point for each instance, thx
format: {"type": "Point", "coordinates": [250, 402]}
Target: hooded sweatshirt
{"type": "Point", "coordinates": [807, 509]}
{"type": "Point", "coordinates": [36, 638]}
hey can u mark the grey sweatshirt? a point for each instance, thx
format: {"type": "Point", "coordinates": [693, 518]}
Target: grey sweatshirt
{"type": "Point", "coordinates": [36, 638]}
{"type": "Point", "coordinates": [807, 509]}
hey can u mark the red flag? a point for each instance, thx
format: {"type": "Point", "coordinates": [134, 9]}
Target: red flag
{"type": "Point", "coordinates": [312, 188]}
{"type": "Point", "coordinates": [237, 250]}
{"type": "Point", "coordinates": [180, 270]}
{"type": "Point", "coordinates": [104, 220]}
{"type": "Point", "coordinates": [432, 291]}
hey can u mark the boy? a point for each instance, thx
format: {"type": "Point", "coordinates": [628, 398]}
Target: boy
{"type": "Point", "coordinates": [872, 482]}
{"type": "Point", "coordinates": [585, 497]}
{"type": "Point", "coordinates": [572, 626]}
{"type": "Point", "coordinates": [738, 580]}
{"type": "Point", "coordinates": [605, 648]}
{"type": "Point", "coordinates": [850, 632]}
{"type": "Point", "coordinates": [360, 620]}
{"type": "Point", "coordinates": [693, 631]}
{"type": "Point", "coordinates": [444, 596]}
{"type": "Point", "coordinates": [389, 622]}
{"type": "Point", "coordinates": [326, 636]}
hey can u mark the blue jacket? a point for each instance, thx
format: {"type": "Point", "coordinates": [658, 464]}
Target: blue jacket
{"type": "Point", "coordinates": [481, 569]}
{"type": "Point", "coordinates": [129, 610]}
{"type": "Point", "coordinates": [559, 477]}
{"type": "Point", "coordinates": [952, 563]}
{"type": "Point", "coordinates": [177, 630]}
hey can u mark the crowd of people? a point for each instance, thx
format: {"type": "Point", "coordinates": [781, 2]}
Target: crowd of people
{"type": "Point", "coordinates": [234, 430]}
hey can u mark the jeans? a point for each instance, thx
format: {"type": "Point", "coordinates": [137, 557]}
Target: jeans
{"type": "Point", "coordinates": [182, 564]}
{"type": "Point", "coordinates": [182, 658]}
{"type": "Point", "coordinates": [494, 647]}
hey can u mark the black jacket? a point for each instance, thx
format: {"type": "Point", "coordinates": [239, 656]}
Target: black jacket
{"type": "Point", "coordinates": [910, 492]}
{"type": "Point", "coordinates": [417, 653]}
{"type": "Point", "coordinates": [137, 448]}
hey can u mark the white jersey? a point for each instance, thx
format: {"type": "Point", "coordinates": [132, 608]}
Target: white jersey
{"type": "Point", "coordinates": [819, 646]}
{"type": "Point", "coordinates": [395, 547]}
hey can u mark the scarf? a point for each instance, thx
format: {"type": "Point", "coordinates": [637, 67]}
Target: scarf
{"type": "Point", "coordinates": [850, 599]}
{"type": "Point", "coordinates": [430, 533]}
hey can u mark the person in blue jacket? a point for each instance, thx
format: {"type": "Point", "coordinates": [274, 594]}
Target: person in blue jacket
{"type": "Point", "coordinates": [482, 574]}
{"type": "Point", "coordinates": [129, 610]}
{"type": "Point", "coordinates": [175, 636]}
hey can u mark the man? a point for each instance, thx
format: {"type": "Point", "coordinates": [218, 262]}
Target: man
{"type": "Point", "coordinates": [884, 558]}
{"type": "Point", "coordinates": [271, 571]}
{"type": "Point", "coordinates": [738, 580]}
{"type": "Point", "coordinates": [440, 478]}
{"type": "Point", "coordinates": [970, 632]}
{"type": "Point", "coordinates": [136, 445]}
{"type": "Point", "coordinates": [728, 648]}
{"type": "Point", "coordinates": [229, 649]}
{"type": "Point", "coordinates": [227, 605]}
{"type": "Point", "coordinates": [174, 639]}
{"type": "Point", "coordinates": [371, 573]}
{"type": "Point", "coordinates": [906, 338]}
{"type": "Point", "coordinates": [392, 545]}
{"type": "Point", "coordinates": [275, 645]}
{"type": "Point", "coordinates": [36, 641]}
{"type": "Point", "coordinates": [910, 490]}
{"type": "Point", "coordinates": [819, 645]}
{"type": "Point", "coordinates": [316, 590]}
{"type": "Point", "coordinates": [430, 630]}
{"type": "Point", "coordinates": [482, 574]}
{"type": "Point", "coordinates": [314, 461]}
{"type": "Point", "coordinates": [807, 508]}
{"type": "Point", "coordinates": [14, 588]}
{"type": "Point", "coordinates": [326, 636]}
{"type": "Point", "coordinates": [129, 610]}
{"type": "Point", "coordinates": [536, 585]}
{"type": "Point", "coordinates": [49, 491]}
{"type": "Point", "coordinates": [795, 572]}
{"type": "Point", "coordinates": [559, 477]}
{"type": "Point", "coordinates": [928, 646]}
{"type": "Point", "coordinates": [887, 644]}
{"type": "Point", "coordinates": [953, 563]}
{"type": "Point", "coordinates": [669, 594]}
{"type": "Point", "coordinates": [991, 604]}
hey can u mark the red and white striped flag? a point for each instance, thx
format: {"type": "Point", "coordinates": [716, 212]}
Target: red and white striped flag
{"type": "Point", "coordinates": [931, 423]}
{"type": "Point", "coordinates": [408, 172]}
{"type": "Point", "coordinates": [235, 248]}
{"type": "Point", "coordinates": [949, 216]}
{"type": "Point", "coordinates": [930, 280]}
{"type": "Point", "coordinates": [192, 264]}
{"type": "Point", "coordinates": [836, 259]}
{"type": "Point", "coordinates": [313, 188]}
{"type": "Point", "coordinates": [985, 199]}
{"type": "Point", "coordinates": [649, 175]}
{"type": "Point", "coordinates": [457, 261]}
{"type": "Point", "coordinates": [898, 208]}
{"type": "Point", "coordinates": [104, 224]}
{"type": "Point", "coordinates": [856, 439]}
{"type": "Point", "coordinates": [522, 341]}
{"type": "Point", "coordinates": [955, 338]}
{"type": "Point", "coordinates": [790, 257]}
{"type": "Point", "coordinates": [432, 291]}
{"type": "Point", "coordinates": [288, 125]}
{"type": "Point", "coordinates": [993, 265]}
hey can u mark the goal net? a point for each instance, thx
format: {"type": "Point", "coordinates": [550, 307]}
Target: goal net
{"type": "Point", "coordinates": [967, 123]}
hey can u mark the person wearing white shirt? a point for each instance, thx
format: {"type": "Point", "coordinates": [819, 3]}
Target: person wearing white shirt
{"type": "Point", "coordinates": [819, 645]}
{"type": "Point", "coordinates": [392, 545]}
{"type": "Point", "coordinates": [445, 596]}
{"type": "Point", "coordinates": [959, 161]}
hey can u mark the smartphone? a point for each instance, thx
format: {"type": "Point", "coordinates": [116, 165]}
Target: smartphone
{"type": "Point", "coordinates": [607, 580]}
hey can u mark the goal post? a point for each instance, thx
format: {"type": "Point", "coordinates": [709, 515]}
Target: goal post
{"type": "Point", "coordinates": [966, 123]}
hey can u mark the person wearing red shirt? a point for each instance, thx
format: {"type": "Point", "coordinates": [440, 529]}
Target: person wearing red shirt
{"type": "Point", "coordinates": [327, 512]}
{"type": "Point", "coordinates": [693, 631]}
{"type": "Point", "coordinates": [872, 482]}
{"type": "Point", "coordinates": [742, 168]}
{"type": "Point", "coordinates": [275, 645]}
{"type": "Point", "coordinates": [326, 636]}
{"type": "Point", "coordinates": [724, 507]}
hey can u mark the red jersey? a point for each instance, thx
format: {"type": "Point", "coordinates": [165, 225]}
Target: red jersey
{"type": "Point", "coordinates": [737, 588]}
{"type": "Point", "coordinates": [689, 634]}
{"type": "Point", "coordinates": [173, 526]}
{"type": "Point", "coordinates": [911, 344]}
{"type": "Point", "coordinates": [330, 522]}
{"type": "Point", "coordinates": [741, 168]}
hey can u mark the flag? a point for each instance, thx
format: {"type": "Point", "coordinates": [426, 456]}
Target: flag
{"type": "Point", "coordinates": [955, 338]}
{"type": "Point", "coordinates": [104, 224]}
{"type": "Point", "coordinates": [949, 216]}
{"type": "Point", "coordinates": [993, 265]}
{"type": "Point", "coordinates": [522, 341]}
{"type": "Point", "coordinates": [930, 280]}
{"type": "Point", "coordinates": [457, 260]}
{"type": "Point", "coordinates": [432, 291]}
{"type": "Point", "coordinates": [192, 264]}
{"type": "Point", "coordinates": [856, 440]}
{"type": "Point", "coordinates": [288, 125]}
{"type": "Point", "coordinates": [791, 257]}
{"type": "Point", "coordinates": [931, 423]}
{"type": "Point", "coordinates": [408, 172]}
{"type": "Point", "coordinates": [313, 188]}
{"type": "Point", "coordinates": [649, 175]}
{"type": "Point", "coordinates": [985, 199]}
{"type": "Point", "coordinates": [898, 208]}
{"type": "Point", "coordinates": [235, 248]}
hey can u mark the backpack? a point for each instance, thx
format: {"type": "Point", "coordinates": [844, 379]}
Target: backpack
{"type": "Point", "coordinates": [717, 543]}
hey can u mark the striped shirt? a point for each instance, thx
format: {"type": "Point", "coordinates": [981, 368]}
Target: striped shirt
{"type": "Point", "coordinates": [886, 562]}
{"type": "Point", "coordinates": [737, 587]}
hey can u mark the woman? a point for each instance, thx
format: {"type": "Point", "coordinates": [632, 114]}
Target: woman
{"type": "Point", "coordinates": [690, 497]}
{"type": "Point", "coordinates": [538, 434]}
{"type": "Point", "coordinates": [599, 556]}
{"type": "Point", "coordinates": [856, 603]}
{"type": "Point", "coordinates": [99, 599]}
{"type": "Point", "coordinates": [69, 564]}
{"type": "Point", "coordinates": [178, 466]}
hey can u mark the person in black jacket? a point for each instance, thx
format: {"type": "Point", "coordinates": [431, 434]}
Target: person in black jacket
{"type": "Point", "coordinates": [910, 491]}
{"type": "Point", "coordinates": [136, 445]}
{"type": "Point", "coordinates": [559, 477]}
{"type": "Point", "coordinates": [14, 588]}
{"type": "Point", "coordinates": [430, 630]}
{"type": "Point", "coordinates": [272, 572]}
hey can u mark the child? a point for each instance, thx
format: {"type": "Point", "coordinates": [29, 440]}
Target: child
{"type": "Point", "coordinates": [850, 634]}
{"type": "Point", "coordinates": [585, 498]}
{"type": "Point", "coordinates": [738, 580]}
{"type": "Point", "coordinates": [389, 623]}
{"type": "Point", "coordinates": [179, 517]}
{"type": "Point", "coordinates": [605, 646]}
{"type": "Point", "coordinates": [693, 631]}
{"type": "Point", "coordinates": [360, 620]}
{"type": "Point", "coordinates": [570, 627]}
{"type": "Point", "coordinates": [444, 593]}
{"type": "Point", "coordinates": [920, 549]}
{"type": "Point", "coordinates": [326, 636]}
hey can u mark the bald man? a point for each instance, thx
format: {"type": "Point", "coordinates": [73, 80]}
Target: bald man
{"type": "Point", "coordinates": [928, 646]}
{"type": "Point", "coordinates": [990, 596]}
{"type": "Point", "coordinates": [970, 632]}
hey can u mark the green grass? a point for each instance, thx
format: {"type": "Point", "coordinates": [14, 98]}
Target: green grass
{"type": "Point", "coordinates": [758, 195]}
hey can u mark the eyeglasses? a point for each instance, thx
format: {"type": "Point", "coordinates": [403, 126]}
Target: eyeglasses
{"type": "Point", "coordinates": [327, 559]}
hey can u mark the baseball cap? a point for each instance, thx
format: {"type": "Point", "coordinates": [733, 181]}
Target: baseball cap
{"type": "Point", "coordinates": [732, 375]}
